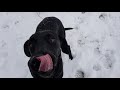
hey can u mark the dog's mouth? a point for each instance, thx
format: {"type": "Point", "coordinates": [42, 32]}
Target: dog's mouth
{"type": "Point", "coordinates": [43, 65]}
{"type": "Point", "coordinates": [46, 63]}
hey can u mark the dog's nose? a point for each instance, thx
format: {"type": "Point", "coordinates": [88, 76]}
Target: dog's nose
{"type": "Point", "coordinates": [40, 53]}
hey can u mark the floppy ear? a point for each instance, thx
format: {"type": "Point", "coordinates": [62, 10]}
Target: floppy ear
{"type": "Point", "coordinates": [26, 48]}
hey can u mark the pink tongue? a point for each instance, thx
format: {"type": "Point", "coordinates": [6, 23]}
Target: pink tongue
{"type": "Point", "coordinates": [46, 63]}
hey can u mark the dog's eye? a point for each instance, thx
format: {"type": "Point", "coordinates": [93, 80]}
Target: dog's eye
{"type": "Point", "coordinates": [31, 45]}
{"type": "Point", "coordinates": [52, 40]}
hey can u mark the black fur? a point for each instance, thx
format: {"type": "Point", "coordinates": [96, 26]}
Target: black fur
{"type": "Point", "coordinates": [48, 38]}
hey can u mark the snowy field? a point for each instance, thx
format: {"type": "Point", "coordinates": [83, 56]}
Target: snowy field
{"type": "Point", "coordinates": [94, 41]}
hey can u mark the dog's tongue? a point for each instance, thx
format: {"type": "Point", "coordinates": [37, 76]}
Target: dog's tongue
{"type": "Point", "coordinates": [46, 63]}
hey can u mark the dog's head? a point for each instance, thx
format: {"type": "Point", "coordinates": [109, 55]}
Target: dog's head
{"type": "Point", "coordinates": [44, 49]}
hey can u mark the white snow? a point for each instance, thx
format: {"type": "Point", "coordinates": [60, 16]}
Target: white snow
{"type": "Point", "coordinates": [94, 41]}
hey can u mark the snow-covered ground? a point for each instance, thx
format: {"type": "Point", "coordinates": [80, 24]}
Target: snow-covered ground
{"type": "Point", "coordinates": [94, 41]}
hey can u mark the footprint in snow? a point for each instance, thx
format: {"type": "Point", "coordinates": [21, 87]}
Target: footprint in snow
{"type": "Point", "coordinates": [3, 44]}
{"type": "Point", "coordinates": [81, 42]}
{"type": "Point", "coordinates": [96, 67]}
{"type": "Point", "coordinates": [102, 16]}
{"type": "Point", "coordinates": [16, 22]}
{"type": "Point", "coordinates": [80, 74]}
{"type": "Point", "coordinates": [5, 27]}
{"type": "Point", "coordinates": [97, 50]}
{"type": "Point", "coordinates": [108, 59]}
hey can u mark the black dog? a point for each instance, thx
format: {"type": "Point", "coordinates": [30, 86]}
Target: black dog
{"type": "Point", "coordinates": [44, 48]}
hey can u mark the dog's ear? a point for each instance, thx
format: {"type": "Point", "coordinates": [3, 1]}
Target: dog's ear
{"type": "Point", "coordinates": [26, 48]}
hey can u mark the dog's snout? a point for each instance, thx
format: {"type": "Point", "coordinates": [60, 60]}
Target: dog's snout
{"type": "Point", "coordinates": [33, 63]}
{"type": "Point", "coordinates": [40, 53]}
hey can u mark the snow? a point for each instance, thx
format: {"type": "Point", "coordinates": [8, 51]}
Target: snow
{"type": "Point", "coordinates": [94, 42]}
